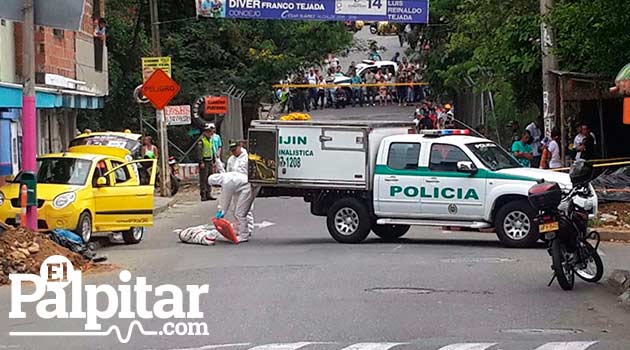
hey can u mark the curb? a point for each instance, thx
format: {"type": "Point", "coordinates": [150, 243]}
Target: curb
{"type": "Point", "coordinates": [164, 207]}
{"type": "Point", "coordinates": [611, 235]}
{"type": "Point", "coordinates": [619, 284]}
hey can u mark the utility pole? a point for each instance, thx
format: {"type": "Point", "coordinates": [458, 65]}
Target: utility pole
{"type": "Point", "coordinates": [165, 179]}
{"type": "Point", "coordinates": [549, 63]}
{"type": "Point", "coordinates": [29, 112]}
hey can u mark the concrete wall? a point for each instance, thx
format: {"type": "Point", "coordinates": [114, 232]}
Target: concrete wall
{"type": "Point", "coordinates": [96, 82]}
{"type": "Point", "coordinates": [55, 129]}
{"type": "Point", "coordinates": [7, 52]}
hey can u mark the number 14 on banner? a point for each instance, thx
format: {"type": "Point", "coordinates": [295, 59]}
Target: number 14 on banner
{"type": "Point", "coordinates": [375, 4]}
{"type": "Point", "coordinates": [361, 7]}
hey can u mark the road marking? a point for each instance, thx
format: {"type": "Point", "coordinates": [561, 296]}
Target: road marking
{"type": "Point", "coordinates": [469, 346]}
{"type": "Point", "coordinates": [576, 345]}
{"type": "Point", "coordinates": [372, 346]}
{"type": "Point", "coordinates": [208, 347]}
{"type": "Point", "coordinates": [284, 346]}
{"type": "Point", "coordinates": [398, 247]}
{"type": "Point", "coordinates": [379, 346]}
{"type": "Point", "coordinates": [263, 224]}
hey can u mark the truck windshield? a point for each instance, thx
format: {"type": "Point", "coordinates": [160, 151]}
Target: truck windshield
{"type": "Point", "coordinates": [493, 156]}
{"type": "Point", "coordinates": [63, 171]}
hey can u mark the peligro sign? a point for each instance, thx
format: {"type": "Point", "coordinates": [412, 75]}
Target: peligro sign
{"type": "Point", "coordinates": [161, 88]}
{"type": "Point", "coordinates": [406, 11]}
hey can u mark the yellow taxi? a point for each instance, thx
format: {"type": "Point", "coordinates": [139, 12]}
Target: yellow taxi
{"type": "Point", "coordinates": [89, 189]}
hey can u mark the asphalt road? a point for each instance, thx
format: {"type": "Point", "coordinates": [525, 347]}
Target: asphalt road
{"type": "Point", "coordinates": [294, 287]}
{"type": "Point", "coordinates": [380, 113]}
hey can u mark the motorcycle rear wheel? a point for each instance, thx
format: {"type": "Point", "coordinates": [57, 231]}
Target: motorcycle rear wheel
{"type": "Point", "coordinates": [593, 262]}
{"type": "Point", "coordinates": [564, 271]}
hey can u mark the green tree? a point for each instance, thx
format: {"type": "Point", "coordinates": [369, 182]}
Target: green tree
{"type": "Point", "coordinates": [494, 44]}
{"type": "Point", "coordinates": [207, 55]}
{"type": "Point", "coordinates": [592, 36]}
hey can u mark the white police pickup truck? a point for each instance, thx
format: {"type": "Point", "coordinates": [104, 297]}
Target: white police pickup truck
{"type": "Point", "coordinates": [381, 177]}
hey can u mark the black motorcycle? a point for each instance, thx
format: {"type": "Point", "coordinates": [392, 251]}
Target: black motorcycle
{"type": "Point", "coordinates": [563, 223]}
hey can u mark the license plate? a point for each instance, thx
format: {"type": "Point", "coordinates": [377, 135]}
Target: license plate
{"type": "Point", "coordinates": [548, 227]}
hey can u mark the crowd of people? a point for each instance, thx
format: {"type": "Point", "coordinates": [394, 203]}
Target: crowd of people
{"type": "Point", "coordinates": [532, 149]}
{"type": "Point", "coordinates": [430, 115]}
{"type": "Point", "coordinates": [381, 86]}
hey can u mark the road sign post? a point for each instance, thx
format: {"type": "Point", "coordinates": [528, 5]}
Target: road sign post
{"type": "Point", "coordinates": [160, 89]}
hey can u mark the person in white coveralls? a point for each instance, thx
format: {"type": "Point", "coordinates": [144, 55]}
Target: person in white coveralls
{"type": "Point", "coordinates": [236, 165]}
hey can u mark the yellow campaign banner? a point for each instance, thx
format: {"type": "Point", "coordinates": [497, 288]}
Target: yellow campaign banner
{"type": "Point", "coordinates": [150, 64]}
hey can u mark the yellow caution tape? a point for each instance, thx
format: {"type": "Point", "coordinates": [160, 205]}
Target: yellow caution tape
{"type": "Point", "coordinates": [598, 165]}
{"type": "Point", "coordinates": [331, 86]}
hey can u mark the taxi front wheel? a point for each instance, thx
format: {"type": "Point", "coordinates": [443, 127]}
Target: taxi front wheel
{"type": "Point", "coordinates": [514, 224]}
{"type": "Point", "coordinates": [84, 226]}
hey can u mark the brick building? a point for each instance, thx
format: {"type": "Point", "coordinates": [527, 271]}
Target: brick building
{"type": "Point", "coordinates": [71, 74]}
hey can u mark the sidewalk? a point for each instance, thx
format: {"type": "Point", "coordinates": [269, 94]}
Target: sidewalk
{"type": "Point", "coordinates": [612, 235]}
{"type": "Point", "coordinates": [161, 204]}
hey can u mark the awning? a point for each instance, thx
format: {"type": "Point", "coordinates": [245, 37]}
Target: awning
{"type": "Point", "coordinates": [11, 97]}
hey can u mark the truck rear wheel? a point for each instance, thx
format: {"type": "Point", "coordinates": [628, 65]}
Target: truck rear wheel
{"type": "Point", "coordinates": [514, 224]}
{"type": "Point", "coordinates": [349, 221]}
{"type": "Point", "coordinates": [390, 232]}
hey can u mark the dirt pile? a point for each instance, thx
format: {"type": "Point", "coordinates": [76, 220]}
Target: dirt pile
{"type": "Point", "coordinates": [23, 251]}
{"type": "Point", "coordinates": [614, 215]}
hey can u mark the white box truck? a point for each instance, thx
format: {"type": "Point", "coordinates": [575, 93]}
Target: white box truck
{"type": "Point", "coordinates": [382, 177]}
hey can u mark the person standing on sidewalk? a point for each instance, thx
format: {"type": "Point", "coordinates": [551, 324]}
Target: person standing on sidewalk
{"type": "Point", "coordinates": [370, 78]}
{"type": "Point", "coordinates": [209, 150]}
{"type": "Point", "coordinates": [149, 150]}
{"type": "Point", "coordinates": [536, 137]}
{"type": "Point", "coordinates": [522, 150]}
{"type": "Point", "coordinates": [357, 91]}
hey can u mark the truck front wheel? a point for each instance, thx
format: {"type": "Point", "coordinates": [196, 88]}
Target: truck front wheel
{"type": "Point", "coordinates": [390, 232]}
{"type": "Point", "coordinates": [349, 221]}
{"type": "Point", "coordinates": [514, 224]}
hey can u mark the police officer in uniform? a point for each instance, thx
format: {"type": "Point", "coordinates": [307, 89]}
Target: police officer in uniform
{"type": "Point", "coordinates": [208, 152]}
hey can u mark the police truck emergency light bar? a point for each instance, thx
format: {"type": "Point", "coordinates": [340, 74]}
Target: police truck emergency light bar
{"type": "Point", "coordinates": [445, 132]}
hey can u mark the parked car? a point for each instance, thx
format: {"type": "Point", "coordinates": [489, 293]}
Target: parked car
{"type": "Point", "coordinates": [129, 141]}
{"type": "Point", "coordinates": [364, 67]}
{"type": "Point", "coordinates": [88, 189]}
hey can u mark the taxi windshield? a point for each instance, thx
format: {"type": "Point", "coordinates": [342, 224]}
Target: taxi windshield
{"type": "Point", "coordinates": [63, 171]}
{"type": "Point", "coordinates": [493, 156]}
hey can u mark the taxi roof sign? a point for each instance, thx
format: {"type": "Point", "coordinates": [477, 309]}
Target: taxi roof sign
{"type": "Point", "coordinates": [160, 89]}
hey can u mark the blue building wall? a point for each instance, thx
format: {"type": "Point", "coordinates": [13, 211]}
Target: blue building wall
{"type": "Point", "coordinates": [6, 118]}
